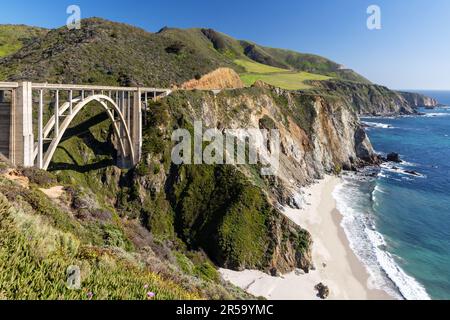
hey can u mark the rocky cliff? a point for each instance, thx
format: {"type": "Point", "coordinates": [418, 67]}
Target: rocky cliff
{"type": "Point", "coordinates": [368, 99]}
{"type": "Point", "coordinates": [212, 208]}
{"type": "Point", "coordinates": [417, 100]}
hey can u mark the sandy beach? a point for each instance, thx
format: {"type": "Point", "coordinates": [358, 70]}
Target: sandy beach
{"type": "Point", "coordinates": [336, 264]}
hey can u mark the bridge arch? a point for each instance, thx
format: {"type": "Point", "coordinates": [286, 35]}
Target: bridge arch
{"type": "Point", "coordinates": [112, 110]}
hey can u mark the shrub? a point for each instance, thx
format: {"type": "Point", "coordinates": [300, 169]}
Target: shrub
{"type": "Point", "coordinates": [267, 123]}
{"type": "Point", "coordinates": [175, 48]}
{"type": "Point", "coordinates": [207, 272]}
{"type": "Point", "coordinates": [114, 237]}
{"type": "Point", "coordinates": [142, 169]}
{"type": "Point", "coordinates": [337, 169]}
{"type": "Point", "coordinates": [3, 167]}
{"type": "Point", "coordinates": [40, 177]}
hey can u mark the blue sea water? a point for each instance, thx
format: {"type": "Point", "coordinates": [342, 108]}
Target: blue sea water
{"type": "Point", "coordinates": [399, 223]}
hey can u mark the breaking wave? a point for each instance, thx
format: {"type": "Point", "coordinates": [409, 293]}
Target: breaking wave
{"type": "Point", "coordinates": [355, 199]}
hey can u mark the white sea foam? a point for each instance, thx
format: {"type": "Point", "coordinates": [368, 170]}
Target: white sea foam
{"type": "Point", "coordinates": [369, 245]}
{"type": "Point", "coordinates": [378, 189]}
{"type": "Point", "coordinates": [398, 168]}
{"type": "Point", "coordinates": [436, 114]}
{"type": "Point", "coordinates": [377, 125]}
{"type": "Point", "coordinates": [381, 117]}
{"type": "Point", "coordinates": [407, 285]}
{"type": "Point", "coordinates": [408, 164]}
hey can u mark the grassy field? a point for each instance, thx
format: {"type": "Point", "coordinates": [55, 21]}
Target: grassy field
{"type": "Point", "coordinates": [255, 67]}
{"type": "Point", "coordinates": [282, 78]}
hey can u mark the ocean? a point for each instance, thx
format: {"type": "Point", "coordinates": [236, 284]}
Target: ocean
{"type": "Point", "coordinates": [398, 221]}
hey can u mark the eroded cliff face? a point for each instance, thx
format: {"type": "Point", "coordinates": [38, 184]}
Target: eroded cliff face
{"type": "Point", "coordinates": [232, 212]}
{"type": "Point", "coordinates": [368, 99]}
{"type": "Point", "coordinates": [319, 134]}
{"type": "Point", "coordinates": [222, 78]}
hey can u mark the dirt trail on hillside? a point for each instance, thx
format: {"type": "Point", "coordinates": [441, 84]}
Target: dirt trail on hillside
{"type": "Point", "coordinates": [16, 176]}
{"type": "Point", "coordinates": [53, 192]}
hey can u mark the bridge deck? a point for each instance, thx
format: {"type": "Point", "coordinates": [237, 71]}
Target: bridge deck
{"type": "Point", "coordinates": [76, 87]}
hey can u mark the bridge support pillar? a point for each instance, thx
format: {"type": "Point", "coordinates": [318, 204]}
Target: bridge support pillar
{"type": "Point", "coordinates": [137, 126]}
{"type": "Point", "coordinates": [22, 138]}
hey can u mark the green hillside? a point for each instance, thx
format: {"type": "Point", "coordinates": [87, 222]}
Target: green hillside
{"type": "Point", "coordinates": [279, 58]}
{"type": "Point", "coordinates": [13, 37]}
{"type": "Point", "coordinates": [314, 64]}
{"type": "Point", "coordinates": [104, 52]}
{"type": "Point", "coordinates": [39, 242]}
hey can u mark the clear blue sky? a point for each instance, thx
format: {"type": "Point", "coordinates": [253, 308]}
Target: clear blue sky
{"type": "Point", "coordinates": [411, 51]}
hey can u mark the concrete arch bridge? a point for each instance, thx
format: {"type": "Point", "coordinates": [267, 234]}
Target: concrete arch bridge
{"type": "Point", "coordinates": [22, 107]}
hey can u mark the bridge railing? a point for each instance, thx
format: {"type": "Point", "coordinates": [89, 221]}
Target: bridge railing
{"type": "Point", "coordinates": [8, 85]}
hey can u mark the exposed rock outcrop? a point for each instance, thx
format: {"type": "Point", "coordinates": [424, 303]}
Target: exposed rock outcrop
{"type": "Point", "coordinates": [317, 133]}
{"type": "Point", "coordinates": [363, 146]}
{"type": "Point", "coordinates": [322, 291]}
{"type": "Point", "coordinates": [222, 78]}
{"type": "Point", "coordinates": [394, 157]}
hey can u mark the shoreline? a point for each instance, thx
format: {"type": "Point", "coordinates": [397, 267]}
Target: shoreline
{"type": "Point", "coordinates": [336, 264]}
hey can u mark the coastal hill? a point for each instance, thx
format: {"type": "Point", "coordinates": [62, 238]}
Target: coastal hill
{"type": "Point", "coordinates": [105, 52]}
{"type": "Point", "coordinates": [164, 228]}
{"type": "Point", "coordinates": [117, 53]}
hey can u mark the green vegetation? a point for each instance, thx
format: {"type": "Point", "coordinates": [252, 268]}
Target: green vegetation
{"type": "Point", "coordinates": [285, 80]}
{"type": "Point", "coordinates": [197, 265]}
{"type": "Point", "coordinates": [42, 238]}
{"type": "Point", "coordinates": [366, 98]}
{"type": "Point", "coordinates": [304, 113]}
{"type": "Point", "coordinates": [220, 211]}
{"type": "Point", "coordinates": [267, 123]}
{"type": "Point", "coordinates": [104, 52]}
{"type": "Point", "coordinates": [282, 78]}
{"type": "Point", "coordinates": [39, 177]}
{"type": "Point", "coordinates": [255, 67]}
{"type": "Point", "coordinates": [13, 37]}
{"type": "Point", "coordinates": [86, 148]}
{"type": "Point", "coordinates": [35, 246]}
{"type": "Point", "coordinates": [217, 202]}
